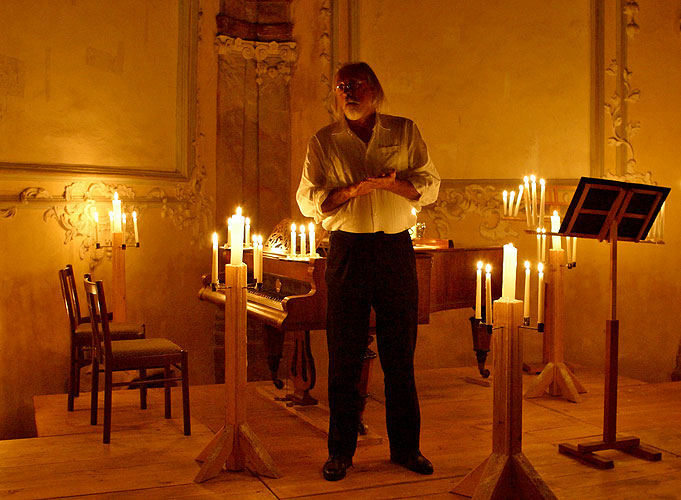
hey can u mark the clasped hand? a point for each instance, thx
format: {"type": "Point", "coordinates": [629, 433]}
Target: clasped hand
{"type": "Point", "coordinates": [366, 186]}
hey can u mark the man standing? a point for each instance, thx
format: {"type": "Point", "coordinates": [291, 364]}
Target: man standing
{"type": "Point", "coordinates": [362, 176]}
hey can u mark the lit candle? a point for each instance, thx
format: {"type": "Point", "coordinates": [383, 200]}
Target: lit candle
{"type": "Point", "coordinates": [533, 180]}
{"type": "Point", "coordinates": [293, 240]}
{"type": "Point", "coordinates": [134, 226]}
{"type": "Point", "coordinates": [478, 291]}
{"type": "Point", "coordinates": [214, 269]}
{"type": "Point", "coordinates": [256, 259]}
{"type": "Point", "coordinates": [488, 294]}
{"type": "Point", "coordinates": [568, 250]}
{"type": "Point", "coordinates": [526, 297]}
{"type": "Point", "coordinates": [543, 244]}
{"type": "Point", "coordinates": [303, 249]}
{"type": "Point", "coordinates": [539, 259]}
{"type": "Point", "coordinates": [247, 238]}
{"type": "Point", "coordinates": [412, 229]}
{"type": "Point", "coordinates": [574, 250]}
{"type": "Point", "coordinates": [237, 253]}
{"type": "Point", "coordinates": [313, 243]}
{"type": "Point", "coordinates": [540, 299]}
{"type": "Point", "coordinates": [229, 231]}
{"type": "Point", "coordinates": [527, 201]}
{"type": "Point", "coordinates": [116, 227]}
{"type": "Point", "coordinates": [520, 197]}
{"type": "Point", "coordinates": [123, 222]}
{"type": "Point", "coordinates": [555, 227]}
{"type": "Point", "coordinates": [95, 216]}
{"type": "Point", "coordinates": [260, 263]}
{"type": "Point", "coordinates": [511, 204]}
{"type": "Point", "coordinates": [542, 190]}
{"type": "Point", "coordinates": [509, 272]}
{"type": "Point", "coordinates": [504, 195]}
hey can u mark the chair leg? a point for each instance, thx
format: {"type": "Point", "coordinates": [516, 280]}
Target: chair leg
{"type": "Point", "coordinates": [185, 394]}
{"type": "Point", "coordinates": [166, 389]}
{"type": "Point", "coordinates": [107, 405]}
{"type": "Point", "coordinates": [94, 393]}
{"type": "Point", "coordinates": [143, 389]}
{"type": "Point", "coordinates": [73, 373]}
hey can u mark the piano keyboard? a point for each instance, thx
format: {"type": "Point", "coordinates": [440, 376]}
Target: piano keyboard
{"type": "Point", "coordinates": [265, 299]}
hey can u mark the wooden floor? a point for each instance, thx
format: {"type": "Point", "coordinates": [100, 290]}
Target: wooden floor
{"type": "Point", "coordinates": [149, 458]}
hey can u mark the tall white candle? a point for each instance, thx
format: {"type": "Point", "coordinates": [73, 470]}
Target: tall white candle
{"type": "Point", "coordinates": [237, 252]}
{"type": "Point", "coordinates": [478, 291]}
{"type": "Point", "coordinates": [527, 201]}
{"type": "Point", "coordinates": [256, 259]}
{"type": "Point", "coordinates": [542, 189]}
{"type": "Point", "coordinates": [533, 181]}
{"type": "Point", "coordinates": [116, 203]}
{"type": "Point", "coordinates": [303, 250]}
{"type": "Point", "coordinates": [260, 267]}
{"type": "Point", "coordinates": [574, 249]}
{"type": "Point", "coordinates": [539, 257]}
{"type": "Point", "coordinates": [214, 267]}
{"type": "Point", "coordinates": [134, 226]}
{"type": "Point", "coordinates": [555, 227]}
{"type": "Point", "coordinates": [540, 298]}
{"type": "Point", "coordinates": [509, 272]}
{"type": "Point", "coordinates": [568, 249]}
{"type": "Point", "coordinates": [526, 296]}
{"type": "Point", "coordinates": [293, 240]}
{"type": "Point", "coordinates": [229, 231]}
{"type": "Point", "coordinates": [511, 205]}
{"type": "Point", "coordinates": [313, 242]}
{"type": "Point", "coordinates": [95, 216]}
{"type": "Point", "coordinates": [504, 196]}
{"type": "Point", "coordinates": [247, 237]}
{"type": "Point", "coordinates": [520, 197]}
{"type": "Point", "coordinates": [488, 294]}
{"type": "Point", "coordinates": [543, 244]}
{"type": "Point", "coordinates": [123, 224]}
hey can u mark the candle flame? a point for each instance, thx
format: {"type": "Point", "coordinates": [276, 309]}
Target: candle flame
{"type": "Point", "coordinates": [116, 195]}
{"type": "Point", "coordinates": [480, 264]}
{"type": "Point", "coordinates": [555, 213]}
{"type": "Point", "coordinates": [215, 238]}
{"type": "Point", "coordinates": [413, 211]}
{"type": "Point", "coordinates": [488, 268]}
{"type": "Point", "coordinates": [541, 181]}
{"type": "Point", "coordinates": [526, 179]}
{"type": "Point", "coordinates": [255, 238]}
{"type": "Point", "coordinates": [302, 229]}
{"type": "Point", "coordinates": [311, 227]}
{"type": "Point", "coordinates": [248, 221]}
{"type": "Point", "coordinates": [95, 216]}
{"type": "Point", "coordinates": [533, 178]}
{"type": "Point", "coordinates": [238, 210]}
{"type": "Point", "coordinates": [260, 239]}
{"type": "Point", "coordinates": [527, 265]}
{"type": "Point", "coordinates": [540, 268]}
{"type": "Point", "coordinates": [505, 193]}
{"type": "Point", "coordinates": [123, 217]}
{"type": "Point", "coordinates": [538, 231]}
{"type": "Point", "coordinates": [134, 215]}
{"type": "Point", "coordinates": [293, 228]}
{"type": "Point", "coordinates": [543, 230]}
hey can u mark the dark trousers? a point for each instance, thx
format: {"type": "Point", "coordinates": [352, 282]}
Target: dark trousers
{"type": "Point", "coordinates": [363, 271]}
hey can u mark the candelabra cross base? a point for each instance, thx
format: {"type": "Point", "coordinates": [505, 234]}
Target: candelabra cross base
{"type": "Point", "coordinates": [558, 380]}
{"type": "Point", "coordinates": [631, 445]}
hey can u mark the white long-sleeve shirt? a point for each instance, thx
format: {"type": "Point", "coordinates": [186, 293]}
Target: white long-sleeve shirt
{"type": "Point", "coordinates": [336, 157]}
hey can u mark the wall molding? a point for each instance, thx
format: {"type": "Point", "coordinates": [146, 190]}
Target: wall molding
{"type": "Point", "coordinates": [272, 58]}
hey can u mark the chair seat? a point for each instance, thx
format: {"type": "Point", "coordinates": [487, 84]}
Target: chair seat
{"type": "Point", "coordinates": [143, 347]}
{"type": "Point", "coordinates": [119, 331]}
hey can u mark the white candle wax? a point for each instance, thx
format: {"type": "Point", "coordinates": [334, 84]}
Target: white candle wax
{"type": "Point", "coordinates": [533, 180]}
{"type": "Point", "coordinates": [539, 245]}
{"type": "Point", "coordinates": [247, 237]}
{"type": "Point", "coordinates": [293, 240]}
{"type": "Point", "coordinates": [488, 294]}
{"type": "Point", "coordinates": [520, 197]}
{"type": "Point", "coordinates": [237, 252]}
{"type": "Point", "coordinates": [543, 244]}
{"type": "Point", "coordinates": [412, 229]}
{"type": "Point", "coordinates": [116, 203]}
{"type": "Point", "coordinates": [555, 227]}
{"type": "Point", "coordinates": [504, 196]}
{"type": "Point", "coordinates": [260, 260]}
{"type": "Point", "coordinates": [540, 299]}
{"type": "Point", "coordinates": [478, 291]}
{"type": "Point", "coordinates": [229, 231]}
{"type": "Point", "coordinates": [509, 272]}
{"type": "Point", "coordinates": [542, 189]}
{"type": "Point", "coordinates": [313, 242]}
{"type": "Point", "coordinates": [526, 296]}
{"type": "Point", "coordinates": [134, 226]}
{"type": "Point", "coordinates": [214, 267]}
{"type": "Point", "coordinates": [123, 223]}
{"type": "Point", "coordinates": [527, 201]}
{"type": "Point", "coordinates": [95, 216]}
{"type": "Point", "coordinates": [256, 259]}
{"type": "Point", "coordinates": [568, 249]}
{"type": "Point", "coordinates": [511, 199]}
{"type": "Point", "coordinates": [574, 249]}
{"type": "Point", "coordinates": [303, 250]}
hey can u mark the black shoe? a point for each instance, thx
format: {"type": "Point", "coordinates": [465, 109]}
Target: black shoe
{"type": "Point", "coordinates": [415, 462]}
{"type": "Point", "coordinates": [335, 467]}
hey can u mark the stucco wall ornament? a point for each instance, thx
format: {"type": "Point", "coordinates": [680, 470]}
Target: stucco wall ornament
{"type": "Point", "coordinates": [630, 10]}
{"type": "Point", "coordinates": [325, 16]}
{"type": "Point", "coordinates": [455, 203]}
{"type": "Point", "coordinates": [621, 135]}
{"type": "Point", "coordinates": [272, 58]}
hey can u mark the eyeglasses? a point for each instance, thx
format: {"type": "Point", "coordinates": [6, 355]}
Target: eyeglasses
{"type": "Point", "coordinates": [350, 86]}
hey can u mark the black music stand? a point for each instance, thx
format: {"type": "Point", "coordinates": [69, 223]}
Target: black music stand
{"type": "Point", "coordinates": [613, 210]}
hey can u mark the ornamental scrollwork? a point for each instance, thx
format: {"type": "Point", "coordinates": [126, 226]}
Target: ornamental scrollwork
{"type": "Point", "coordinates": [284, 54]}
{"type": "Point", "coordinates": [621, 136]}
{"type": "Point", "coordinates": [455, 203]}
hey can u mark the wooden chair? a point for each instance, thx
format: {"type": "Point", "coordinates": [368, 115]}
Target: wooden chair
{"type": "Point", "coordinates": [138, 354]}
{"type": "Point", "coordinates": [81, 332]}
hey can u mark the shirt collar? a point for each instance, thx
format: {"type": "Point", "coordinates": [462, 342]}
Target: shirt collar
{"type": "Point", "coordinates": [342, 124]}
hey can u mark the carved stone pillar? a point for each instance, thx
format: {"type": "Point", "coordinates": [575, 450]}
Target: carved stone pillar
{"type": "Point", "coordinates": [254, 133]}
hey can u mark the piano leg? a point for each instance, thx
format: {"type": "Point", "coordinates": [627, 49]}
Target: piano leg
{"type": "Point", "coordinates": [274, 340]}
{"type": "Point", "coordinates": [367, 366]}
{"type": "Point", "coordinates": [303, 370]}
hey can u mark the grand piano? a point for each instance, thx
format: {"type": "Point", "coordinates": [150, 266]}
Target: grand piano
{"type": "Point", "coordinates": [292, 298]}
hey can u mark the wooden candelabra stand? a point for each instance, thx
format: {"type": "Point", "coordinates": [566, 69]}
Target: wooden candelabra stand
{"type": "Point", "coordinates": [235, 446]}
{"type": "Point", "coordinates": [118, 276]}
{"type": "Point", "coordinates": [556, 378]}
{"type": "Point", "coordinates": [506, 474]}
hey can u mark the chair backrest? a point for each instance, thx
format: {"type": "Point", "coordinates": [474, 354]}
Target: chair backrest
{"type": "Point", "coordinates": [71, 279]}
{"type": "Point", "coordinates": [70, 300]}
{"type": "Point", "coordinates": [101, 335]}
